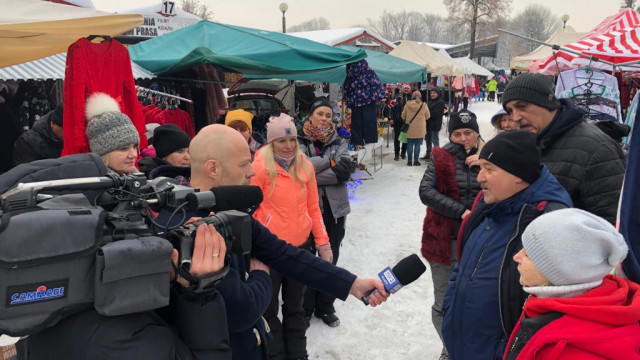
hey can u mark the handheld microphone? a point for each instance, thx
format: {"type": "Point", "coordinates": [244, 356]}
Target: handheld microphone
{"type": "Point", "coordinates": [243, 198]}
{"type": "Point", "coordinates": [404, 273]}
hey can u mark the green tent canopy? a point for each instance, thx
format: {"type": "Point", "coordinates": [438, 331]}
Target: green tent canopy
{"type": "Point", "coordinates": [390, 69]}
{"type": "Point", "coordinates": [237, 49]}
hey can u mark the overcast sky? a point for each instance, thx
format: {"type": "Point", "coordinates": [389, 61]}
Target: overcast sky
{"type": "Point", "coordinates": [264, 14]}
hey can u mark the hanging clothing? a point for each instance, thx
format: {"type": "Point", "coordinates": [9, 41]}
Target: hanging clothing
{"type": "Point", "coordinates": [591, 89]}
{"type": "Point", "coordinates": [362, 86]}
{"type": "Point", "coordinates": [102, 67]}
{"type": "Point", "coordinates": [458, 83]}
{"type": "Point", "coordinates": [440, 81]}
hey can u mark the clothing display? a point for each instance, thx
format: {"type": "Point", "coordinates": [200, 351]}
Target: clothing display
{"type": "Point", "coordinates": [592, 90]}
{"type": "Point", "coordinates": [178, 117]}
{"type": "Point", "coordinates": [97, 67]}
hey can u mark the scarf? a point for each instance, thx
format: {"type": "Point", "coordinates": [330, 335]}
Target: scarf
{"type": "Point", "coordinates": [284, 162]}
{"type": "Point", "coordinates": [317, 133]}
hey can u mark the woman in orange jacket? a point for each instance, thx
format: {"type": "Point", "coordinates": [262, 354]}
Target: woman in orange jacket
{"type": "Point", "coordinates": [291, 211]}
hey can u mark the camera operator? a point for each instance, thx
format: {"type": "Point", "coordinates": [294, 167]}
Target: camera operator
{"type": "Point", "coordinates": [221, 156]}
{"type": "Point", "coordinates": [193, 326]}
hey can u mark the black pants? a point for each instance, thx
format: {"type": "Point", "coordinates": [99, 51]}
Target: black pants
{"type": "Point", "coordinates": [289, 336]}
{"type": "Point", "coordinates": [397, 126]}
{"type": "Point", "coordinates": [364, 128]}
{"type": "Point", "coordinates": [315, 300]}
{"type": "Point", "coordinates": [465, 103]}
{"type": "Point", "coordinates": [492, 96]}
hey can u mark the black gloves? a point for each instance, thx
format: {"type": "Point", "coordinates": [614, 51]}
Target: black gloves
{"type": "Point", "coordinates": [343, 169]}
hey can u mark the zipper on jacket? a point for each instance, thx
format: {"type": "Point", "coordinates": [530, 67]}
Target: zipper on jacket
{"type": "Point", "coordinates": [504, 256]}
{"type": "Point", "coordinates": [468, 182]}
{"type": "Point", "coordinates": [484, 248]}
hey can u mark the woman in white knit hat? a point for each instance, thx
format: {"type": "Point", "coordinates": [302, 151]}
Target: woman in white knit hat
{"type": "Point", "coordinates": [577, 309]}
{"type": "Point", "coordinates": [291, 211]}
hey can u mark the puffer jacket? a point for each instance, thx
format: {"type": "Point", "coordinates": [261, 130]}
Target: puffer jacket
{"type": "Point", "coordinates": [467, 185]}
{"type": "Point", "coordinates": [328, 185]}
{"type": "Point", "coordinates": [38, 143]}
{"type": "Point", "coordinates": [586, 161]}
{"type": "Point", "coordinates": [289, 210]}
{"type": "Point", "coordinates": [484, 298]}
{"type": "Point", "coordinates": [418, 127]}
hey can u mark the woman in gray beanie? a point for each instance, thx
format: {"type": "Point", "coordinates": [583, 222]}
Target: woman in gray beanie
{"type": "Point", "coordinates": [111, 134]}
{"type": "Point", "coordinates": [577, 309]}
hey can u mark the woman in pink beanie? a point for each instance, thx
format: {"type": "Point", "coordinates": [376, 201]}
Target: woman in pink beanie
{"type": "Point", "coordinates": [290, 210]}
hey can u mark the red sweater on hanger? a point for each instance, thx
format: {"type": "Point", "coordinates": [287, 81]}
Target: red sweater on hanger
{"type": "Point", "coordinates": [103, 67]}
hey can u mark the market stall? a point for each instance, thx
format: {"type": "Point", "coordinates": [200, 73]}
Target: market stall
{"type": "Point", "coordinates": [563, 36]}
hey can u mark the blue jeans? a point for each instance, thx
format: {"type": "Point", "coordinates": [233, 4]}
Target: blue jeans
{"type": "Point", "coordinates": [413, 150]}
{"type": "Point", "coordinates": [432, 139]}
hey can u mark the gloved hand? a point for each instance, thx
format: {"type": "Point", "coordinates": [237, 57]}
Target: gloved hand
{"type": "Point", "coordinates": [343, 169]}
{"type": "Point", "coordinates": [325, 252]}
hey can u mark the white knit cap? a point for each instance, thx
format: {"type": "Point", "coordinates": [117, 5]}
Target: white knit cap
{"type": "Point", "coordinates": [572, 246]}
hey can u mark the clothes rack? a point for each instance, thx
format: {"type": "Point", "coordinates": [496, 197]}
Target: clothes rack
{"type": "Point", "coordinates": [149, 91]}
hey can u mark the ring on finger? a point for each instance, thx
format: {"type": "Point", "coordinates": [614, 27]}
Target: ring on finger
{"type": "Point", "coordinates": [215, 255]}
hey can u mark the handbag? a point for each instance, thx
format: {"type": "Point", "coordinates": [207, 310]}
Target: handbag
{"type": "Point", "coordinates": [405, 126]}
{"type": "Point", "coordinates": [402, 137]}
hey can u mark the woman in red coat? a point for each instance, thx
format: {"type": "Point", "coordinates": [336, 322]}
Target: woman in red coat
{"type": "Point", "coordinates": [576, 310]}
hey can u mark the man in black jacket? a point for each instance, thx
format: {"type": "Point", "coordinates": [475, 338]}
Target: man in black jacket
{"type": "Point", "coordinates": [586, 161]}
{"type": "Point", "coordinates": [43, 141]}
{"type": "Point", "coordinates": [399, 149]}
{"type": "Point", "coordinates": [221, 156]}
{"type": "Point", "coordinates": [436, 109]}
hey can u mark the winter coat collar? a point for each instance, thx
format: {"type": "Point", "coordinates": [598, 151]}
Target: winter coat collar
{"type": "Point", "coordinates": [567, 117]}
{"type": "Point", "coordinates": [458, 150]}
{"type": "Point", "coordinates": [545, 188]}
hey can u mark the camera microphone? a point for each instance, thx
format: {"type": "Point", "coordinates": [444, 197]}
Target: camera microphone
{"type": "Point", "coordinates": [404, 273]}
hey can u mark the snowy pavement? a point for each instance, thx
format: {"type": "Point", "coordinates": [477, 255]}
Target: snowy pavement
{"type": "Point", "coordinates": [385, 225]}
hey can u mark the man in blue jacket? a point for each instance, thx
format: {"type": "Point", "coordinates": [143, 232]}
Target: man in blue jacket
{"type": "Point", "coordinates": [221, 156]}
{"type": "Point", "coordinates": [484, 299]}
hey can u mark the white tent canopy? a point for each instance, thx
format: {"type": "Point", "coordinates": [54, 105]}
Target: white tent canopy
{"type": "Point", "coordinates": [423, 55]}
{"type": "Point", "coordinates": [33, 29]}
{"type": "Point", "coordinates": [159, 19]}
{"type": "Point", "coordinates": [562, 37]}
{"type": "Point", "coordinates": [473, 68]}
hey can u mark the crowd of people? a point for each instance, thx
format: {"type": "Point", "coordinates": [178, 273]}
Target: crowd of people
{"type": "Point", "coordinates": [518, 231]}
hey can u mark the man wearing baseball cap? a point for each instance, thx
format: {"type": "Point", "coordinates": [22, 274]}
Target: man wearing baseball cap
{"type": "Point", "coordinates": [586, 161]}
{"type": "Point", "coordinates": [484, 298]}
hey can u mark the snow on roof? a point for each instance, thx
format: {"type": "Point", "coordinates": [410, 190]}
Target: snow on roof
{"type": "Point", "coordinates": [334, 37]}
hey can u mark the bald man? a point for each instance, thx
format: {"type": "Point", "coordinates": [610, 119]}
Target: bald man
{"type": "Point", "coordinates": [221, 156]}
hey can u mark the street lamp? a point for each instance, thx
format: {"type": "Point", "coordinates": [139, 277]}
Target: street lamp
{"type": "Point", "coordinates": [564, 19]}
{"type": "Point", "coordinates": [284, 7]}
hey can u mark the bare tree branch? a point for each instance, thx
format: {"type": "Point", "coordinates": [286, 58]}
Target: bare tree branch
{"type": "Point", "coordinates": [196, 8]}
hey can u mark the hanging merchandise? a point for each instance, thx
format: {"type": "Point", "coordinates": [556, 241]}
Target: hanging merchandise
{"type": "Point", "coordinates": [362, 90]}
{"type": "Point", "coordinates": [162, 108]}
{"type": "Point", "coordinates": [97, 67]}
{"type": "Point", "coordinates": [593, 90]}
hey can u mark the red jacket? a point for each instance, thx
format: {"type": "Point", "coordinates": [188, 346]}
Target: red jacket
{"type": "Point", "coordinates": [600, 324]}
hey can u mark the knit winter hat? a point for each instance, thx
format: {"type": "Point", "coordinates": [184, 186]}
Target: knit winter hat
{"type": "Point", "coordinates": [515, 152]}
{"type": "Point", "coordinates": [56, 117]}
{"type": "Point", "coordinates": [572, 246]}
{"type": "Point", "coordinates": [280, 126]}
{"type": "Point", "coordinates": [169, 138]}
{"type": "Point", "coordinates": [532, 88]}
{"type": "Point", "coordinates": [108, 129]}
{"type": "Point", "coordinates": [464, 119]}
{"type": "Point", "coordinates": [241, 115]}
{"type": "Point", "coordinates": [318, 102]}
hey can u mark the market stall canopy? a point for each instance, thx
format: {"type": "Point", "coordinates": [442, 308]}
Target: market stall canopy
{"type": "Point", "coordinates": [53, 67]}
{"type": "Point", "coordinates": [389, 69]}
{"type": "Point", "coordinates": [425, 56]}
{"type": "Point", "coordinates": [33, 29]}
{"type": "Point", "coordinates": [335, 37]}
{"type": "Point", "coordinates": [469, 66]}
{"type": "Point", "coordinates": [616, 40]}
{"type": "Point", "coordinates": [237, 49]}
{"type": "Point", "coordinates": [561, 37]}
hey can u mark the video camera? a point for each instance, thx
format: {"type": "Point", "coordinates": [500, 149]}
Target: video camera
{"type": "Point", "coordinates": [62, 252]}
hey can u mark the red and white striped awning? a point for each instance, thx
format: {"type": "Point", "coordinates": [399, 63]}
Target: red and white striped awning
{"type": "Point", "coordinates": [615, 40]}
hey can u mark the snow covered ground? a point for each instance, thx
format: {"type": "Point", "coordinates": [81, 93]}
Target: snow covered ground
{"type": "Point", "coordinates": [385, 225]}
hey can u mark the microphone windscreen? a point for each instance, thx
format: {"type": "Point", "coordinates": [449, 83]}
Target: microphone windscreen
{"type": "Point", "coordinates": [409, 269]}
{"type": "Point", "coordinates": [236, 197]}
